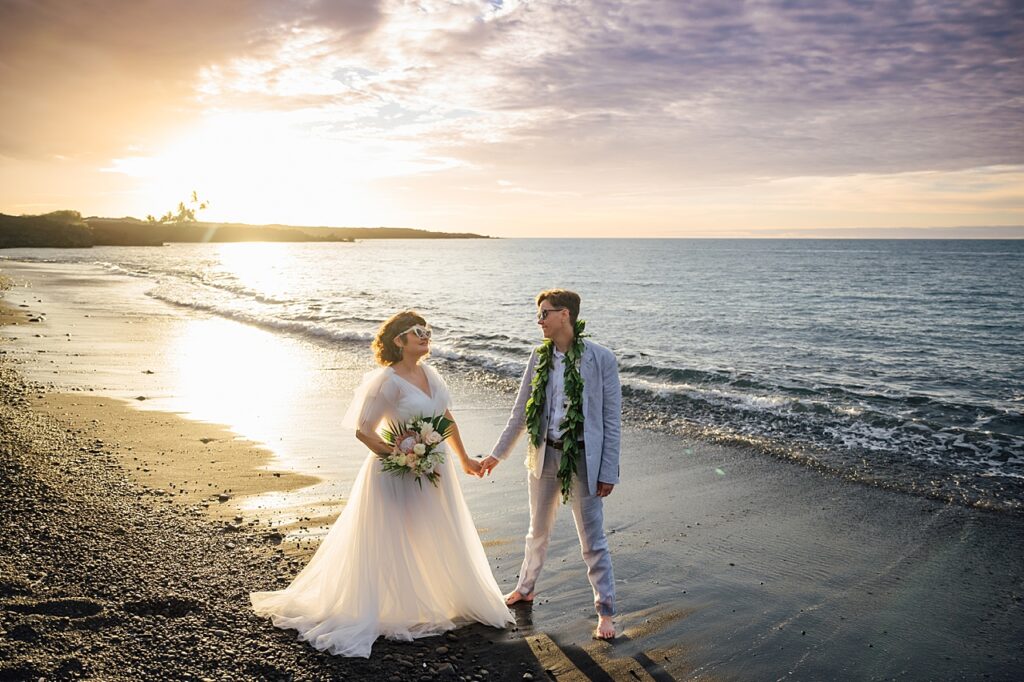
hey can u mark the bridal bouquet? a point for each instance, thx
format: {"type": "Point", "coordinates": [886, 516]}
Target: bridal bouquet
{"type": "Point", "coordinates": [415, 447]}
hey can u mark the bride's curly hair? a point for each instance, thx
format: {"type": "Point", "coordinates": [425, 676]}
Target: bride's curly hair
{"type": "Point", "coordinates": [385, 350]}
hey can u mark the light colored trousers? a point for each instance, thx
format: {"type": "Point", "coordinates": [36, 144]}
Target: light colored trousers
{"type": "Point", "coordinates": [588, 512]}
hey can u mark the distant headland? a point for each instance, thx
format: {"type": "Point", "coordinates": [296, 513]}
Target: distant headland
{"type": "Point", "coordinates": [68, 229]}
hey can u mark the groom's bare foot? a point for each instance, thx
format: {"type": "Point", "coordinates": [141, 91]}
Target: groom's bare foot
{"type": "Point", "coordinates": [514, 597]}
{"type": "Point", "coordinates": [605, 628]}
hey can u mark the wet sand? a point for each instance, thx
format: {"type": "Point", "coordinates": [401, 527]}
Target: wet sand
{"type": "Point", "coordinates": [729, 565]}
{"type": "Point", "coordinates": [192, 463]}
{"type": "Point", "coordinates": [10, 315]}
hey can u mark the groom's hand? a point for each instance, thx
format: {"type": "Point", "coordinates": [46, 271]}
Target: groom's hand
{"type": "Point", "coordinates": [604, 489]}
{"type": "Point", "coordinates": [488, 464]}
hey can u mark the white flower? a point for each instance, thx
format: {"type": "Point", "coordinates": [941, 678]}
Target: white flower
{"type": "Point", "coordinates": [426, 429]}
{"type": "Point", "coordinates": [419, 448]}
{"type": "Point", "coordinates": [400, 460]}
{"type": "Point", "coordinates": [433, 438]}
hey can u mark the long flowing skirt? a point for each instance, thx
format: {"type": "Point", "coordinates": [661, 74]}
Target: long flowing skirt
{"type": "Point", "coordinates": [400, 561]}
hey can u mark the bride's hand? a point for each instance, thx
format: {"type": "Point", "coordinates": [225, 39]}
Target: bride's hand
{"type": "Point", "coordinates": [374, 442]}
{"type": "Point", "coordinates": [471, 467]}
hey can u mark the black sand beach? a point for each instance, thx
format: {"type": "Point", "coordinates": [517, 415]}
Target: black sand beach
{"type": "Point", "coordinates": [730, 565]}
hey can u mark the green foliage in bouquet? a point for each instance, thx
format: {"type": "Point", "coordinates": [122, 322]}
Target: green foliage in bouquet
{"type": "Point", "coordinates": [415, 447]}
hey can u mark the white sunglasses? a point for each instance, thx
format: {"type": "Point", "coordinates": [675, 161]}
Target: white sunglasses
{"type": "Point", "coordinates": [419, 330]}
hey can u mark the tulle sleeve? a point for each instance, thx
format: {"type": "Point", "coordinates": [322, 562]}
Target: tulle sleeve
{"type": "Point", "coordinates": [443, 395]}
{"type": "Point", "coordinates": [375, 398]}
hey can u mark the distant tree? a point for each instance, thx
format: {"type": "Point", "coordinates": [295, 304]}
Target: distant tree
{"type": "Point", "coordinates": [185, 214]}
{"type": "Point", "coordinates": [64, 216]}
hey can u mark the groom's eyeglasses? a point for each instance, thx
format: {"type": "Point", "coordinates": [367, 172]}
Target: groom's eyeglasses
{"type": "Point", "coordinates": [542, 314]}
{"type": "Point", "coordinates": [419, 330]}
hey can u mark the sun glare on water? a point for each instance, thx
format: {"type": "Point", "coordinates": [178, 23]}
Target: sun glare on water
{"type": "Point", "coordinates": [257, 266]}
{"type": "Point", "coordinates": [239, 376]}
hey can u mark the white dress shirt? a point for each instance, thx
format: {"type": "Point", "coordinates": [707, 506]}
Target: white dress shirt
{"type": "Point", "coordinates": [557, 401]}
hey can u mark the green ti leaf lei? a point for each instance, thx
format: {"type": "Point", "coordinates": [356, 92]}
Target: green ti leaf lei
{"type": "Point", "coordinates": [572, 425]}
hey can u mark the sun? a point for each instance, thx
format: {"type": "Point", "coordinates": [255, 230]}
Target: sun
{"type": "Point", "coordinates": [260, 168]}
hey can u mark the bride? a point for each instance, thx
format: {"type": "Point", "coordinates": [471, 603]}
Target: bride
{"type": "Point", "coordinates": [402, 561]}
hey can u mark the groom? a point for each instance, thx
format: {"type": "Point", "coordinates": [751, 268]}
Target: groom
{"type": "Point", "coordinates": [570, 405]}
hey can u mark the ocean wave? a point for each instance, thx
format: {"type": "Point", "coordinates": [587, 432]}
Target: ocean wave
{"type": "Point", "coordinates": [307, 329]}
{"type": "Point", "coordinates": [843, 426]}
{"type": "Point", "coordinates": [840, 423]}
{"type": "Point", "coordinates": [676, 375]}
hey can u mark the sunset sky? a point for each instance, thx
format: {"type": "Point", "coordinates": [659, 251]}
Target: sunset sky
{"type": "Point", "coordinates": [519, 118]}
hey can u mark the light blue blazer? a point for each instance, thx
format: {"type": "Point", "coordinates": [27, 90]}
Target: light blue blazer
{"type": "Point", "coordinates": [602, 416]}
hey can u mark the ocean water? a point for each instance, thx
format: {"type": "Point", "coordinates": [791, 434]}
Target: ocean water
{"type": "Point", "coordinates": [895, 363]}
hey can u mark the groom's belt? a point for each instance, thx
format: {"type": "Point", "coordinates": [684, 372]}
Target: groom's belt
{"type": "Point", "coordinates": [559, 444]}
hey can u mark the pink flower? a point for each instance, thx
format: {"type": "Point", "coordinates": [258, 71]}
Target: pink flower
{"type": "Point", "coordinates": [407, 443]}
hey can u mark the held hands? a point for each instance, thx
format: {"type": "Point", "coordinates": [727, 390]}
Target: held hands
{"type": "Point", "coordinates": [471, 467]}
{"type": "Point", "coordinates": [479, 468]}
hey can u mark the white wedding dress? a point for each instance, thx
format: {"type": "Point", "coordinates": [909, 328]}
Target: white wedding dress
{"type": "Point", "coordinates": [400, 561]}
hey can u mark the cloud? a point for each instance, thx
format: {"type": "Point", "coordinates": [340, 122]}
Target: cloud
{"type": "Point", "coordinates": [89, 78]}
{"type": "Point", "coordinates": [675, 92]}
{"type": "Point", "coordinates": [573, 98]}
{"type": "Point", "coordinates": [672, 88]}
{"type": "Point", "coordinates": [762, 89]}
{"type": "Point", "coordinates": [352, 17]}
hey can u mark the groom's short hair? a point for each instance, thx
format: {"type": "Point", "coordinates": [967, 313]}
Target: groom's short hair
{"type": "Point", "coordinates": [562, 298]}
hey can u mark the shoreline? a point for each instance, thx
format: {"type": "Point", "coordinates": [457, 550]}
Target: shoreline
{"type": "Point", "coordinates": [979, 484]}
{"type": "Point", "coordinates": [776, 569]}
